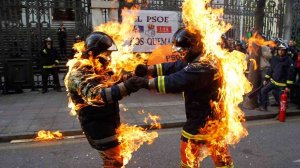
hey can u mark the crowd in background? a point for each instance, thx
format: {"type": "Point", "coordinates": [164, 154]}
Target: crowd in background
{"type": "Point", "coordinates": [279, 67]}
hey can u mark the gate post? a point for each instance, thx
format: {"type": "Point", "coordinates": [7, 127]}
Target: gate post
{"type": "Point", "coordinates": [288, 19]}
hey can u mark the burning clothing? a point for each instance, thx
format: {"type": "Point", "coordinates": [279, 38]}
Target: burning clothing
{"type": "Point", "coordinates": [199, 85]}
{"type": "Point", "coordinates": [95, 96]}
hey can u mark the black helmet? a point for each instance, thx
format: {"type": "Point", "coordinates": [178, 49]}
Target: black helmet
{"type": "Point", "coordinates": [98, 42]}
{"type": "Point", "coordinates": [184, 40]}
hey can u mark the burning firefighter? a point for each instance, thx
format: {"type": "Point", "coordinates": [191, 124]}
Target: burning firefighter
{"type": "Point", "coordinates": [95, 94]}
{"type": "Point", "coordinates": [200, 83]}
{"type": "Point", "coordinates": [48, 60]}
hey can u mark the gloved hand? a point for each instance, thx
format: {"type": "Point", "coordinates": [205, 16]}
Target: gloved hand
{"type": "Point", "coordinates": [135, 83]}
{"type": "Point", "coordinates": [141, 70]}
{"type": "Point", "coordinates": [126, 75]}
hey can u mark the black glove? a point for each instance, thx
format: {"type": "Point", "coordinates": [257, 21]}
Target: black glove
{"type": "Point", "coordinates": [141, 70]}
{"type": "Point", "coordinates": [126, 75]}
{"type": "Point", "coordinates": [135, 83]}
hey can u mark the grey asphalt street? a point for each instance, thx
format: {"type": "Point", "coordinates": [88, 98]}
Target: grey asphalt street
{"type": "Point", "coordinates": [270, 144]}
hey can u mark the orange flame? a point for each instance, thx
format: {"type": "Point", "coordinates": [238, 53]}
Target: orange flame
{"type": "Point", "coordinates": [227, 129]}
{"type": "Point", "coordinates": [257, 40]}
{"type": "Point", "coordinates": [125, 36]}
{"type": "Point", "coordinates": [48, 135]}
{"type": "Point", "coordinates": [154, 123]}
{"type": "Point", "coordinates": [131, 138]}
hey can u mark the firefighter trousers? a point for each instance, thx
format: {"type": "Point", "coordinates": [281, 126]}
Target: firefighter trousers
{"type": "Point", "coordinates": [111, 158]}
{"type": "Point", "coordinates": [45, 74]}
{"type": "Point", "coordinates": [220, 155]}
{"type": "Point", "coordinates": [276, 90]}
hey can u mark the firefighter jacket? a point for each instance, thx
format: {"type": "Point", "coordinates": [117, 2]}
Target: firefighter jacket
{"type": "Point", "coordinates": [96, 102]}
{"type": "Point", "coordinates": [281, 71]}
{"type": "Point", "coordinates": [198, 82]}
{"type": "Point", "coordinates": [48, 58]}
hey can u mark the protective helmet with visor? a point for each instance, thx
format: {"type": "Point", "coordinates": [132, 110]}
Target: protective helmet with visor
{"type": "Point", "coordinates": [187, 44]}
{"type": "Point", "coordinates": [99, 42]}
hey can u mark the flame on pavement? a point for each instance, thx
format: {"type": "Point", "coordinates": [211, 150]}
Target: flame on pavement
{"type": "Point", "coordinates": [48, 135]}
{"type": "Point", "coordinates": [199, 17]}
{"type": "Point", "coordinates": [154, 121]}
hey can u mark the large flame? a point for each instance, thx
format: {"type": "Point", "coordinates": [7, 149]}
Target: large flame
{"type": "Point", "coordinates": [131, 138]}
{"type": "Point", "coordinates": [257, 40]}
{"type": "Point", "coordinates": [228, 129]}
{"type": "Point", "coordinates": [48, 135]}
{"type": "Point", "coordinates": [125, 36]}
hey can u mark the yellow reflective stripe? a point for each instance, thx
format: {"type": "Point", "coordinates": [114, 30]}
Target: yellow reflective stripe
{"type": "Point", "coordinates": [45, 51]}
{"type": "Point", "coordinates": [228, 166]}
{"type": "Point", "coordinates": [195, 137]}
{"type": "Point", "coordinates": [161, 84]}
{"type": "Point", "coordinates": [267, 76]}
{"type": "Point", "coordinates": [159, 70]}
{"type": "Point", "coordinates": [183, 165]}
{"type": "Point", "coordinates": [289, 82]}
{"type": "Point", "coordinates": [50, 66]}
{"type": "Point", "coordinates": [277, 83]}
{"type": "Point", "coordinates": [57, 61]}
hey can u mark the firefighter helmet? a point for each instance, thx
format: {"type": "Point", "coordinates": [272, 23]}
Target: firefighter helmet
{"type": "Point", "coordinates": [187, 43]}
{"type": "Point", "coordinates": [282, 46]}
{"type": "Point", "coordinates": [48, 39]}
{"type": "Point", "coordinates": [78, 38]}
{"type": "Point", "coordinates": [98, 42]}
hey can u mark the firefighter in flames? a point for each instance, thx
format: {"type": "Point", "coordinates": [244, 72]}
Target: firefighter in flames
{"type": "Point", "coordinates": [95, 94]}
{"type": "Point", "coordinates": [200, 83]}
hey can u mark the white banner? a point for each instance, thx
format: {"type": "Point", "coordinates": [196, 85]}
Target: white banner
{"type": "Point", "coordinates": [156, 28]}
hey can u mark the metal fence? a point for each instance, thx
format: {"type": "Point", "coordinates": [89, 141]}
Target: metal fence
{"type": "Point", "coordinates": [23, 26]}
{"type": "Point", "coordinates": [296, 20]}
{"type": "Point", "coordinates": [240, 13]}
{"type": "Point", "coordinates": [25, 23]}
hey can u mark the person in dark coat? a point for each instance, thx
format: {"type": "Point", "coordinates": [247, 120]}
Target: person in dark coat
{"type": "Point", "coordinates": [48, 61]}
{"type": "Point", "coordinates": [62, 39]}
{"type": "Point", "coordinates": [279, 77]}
